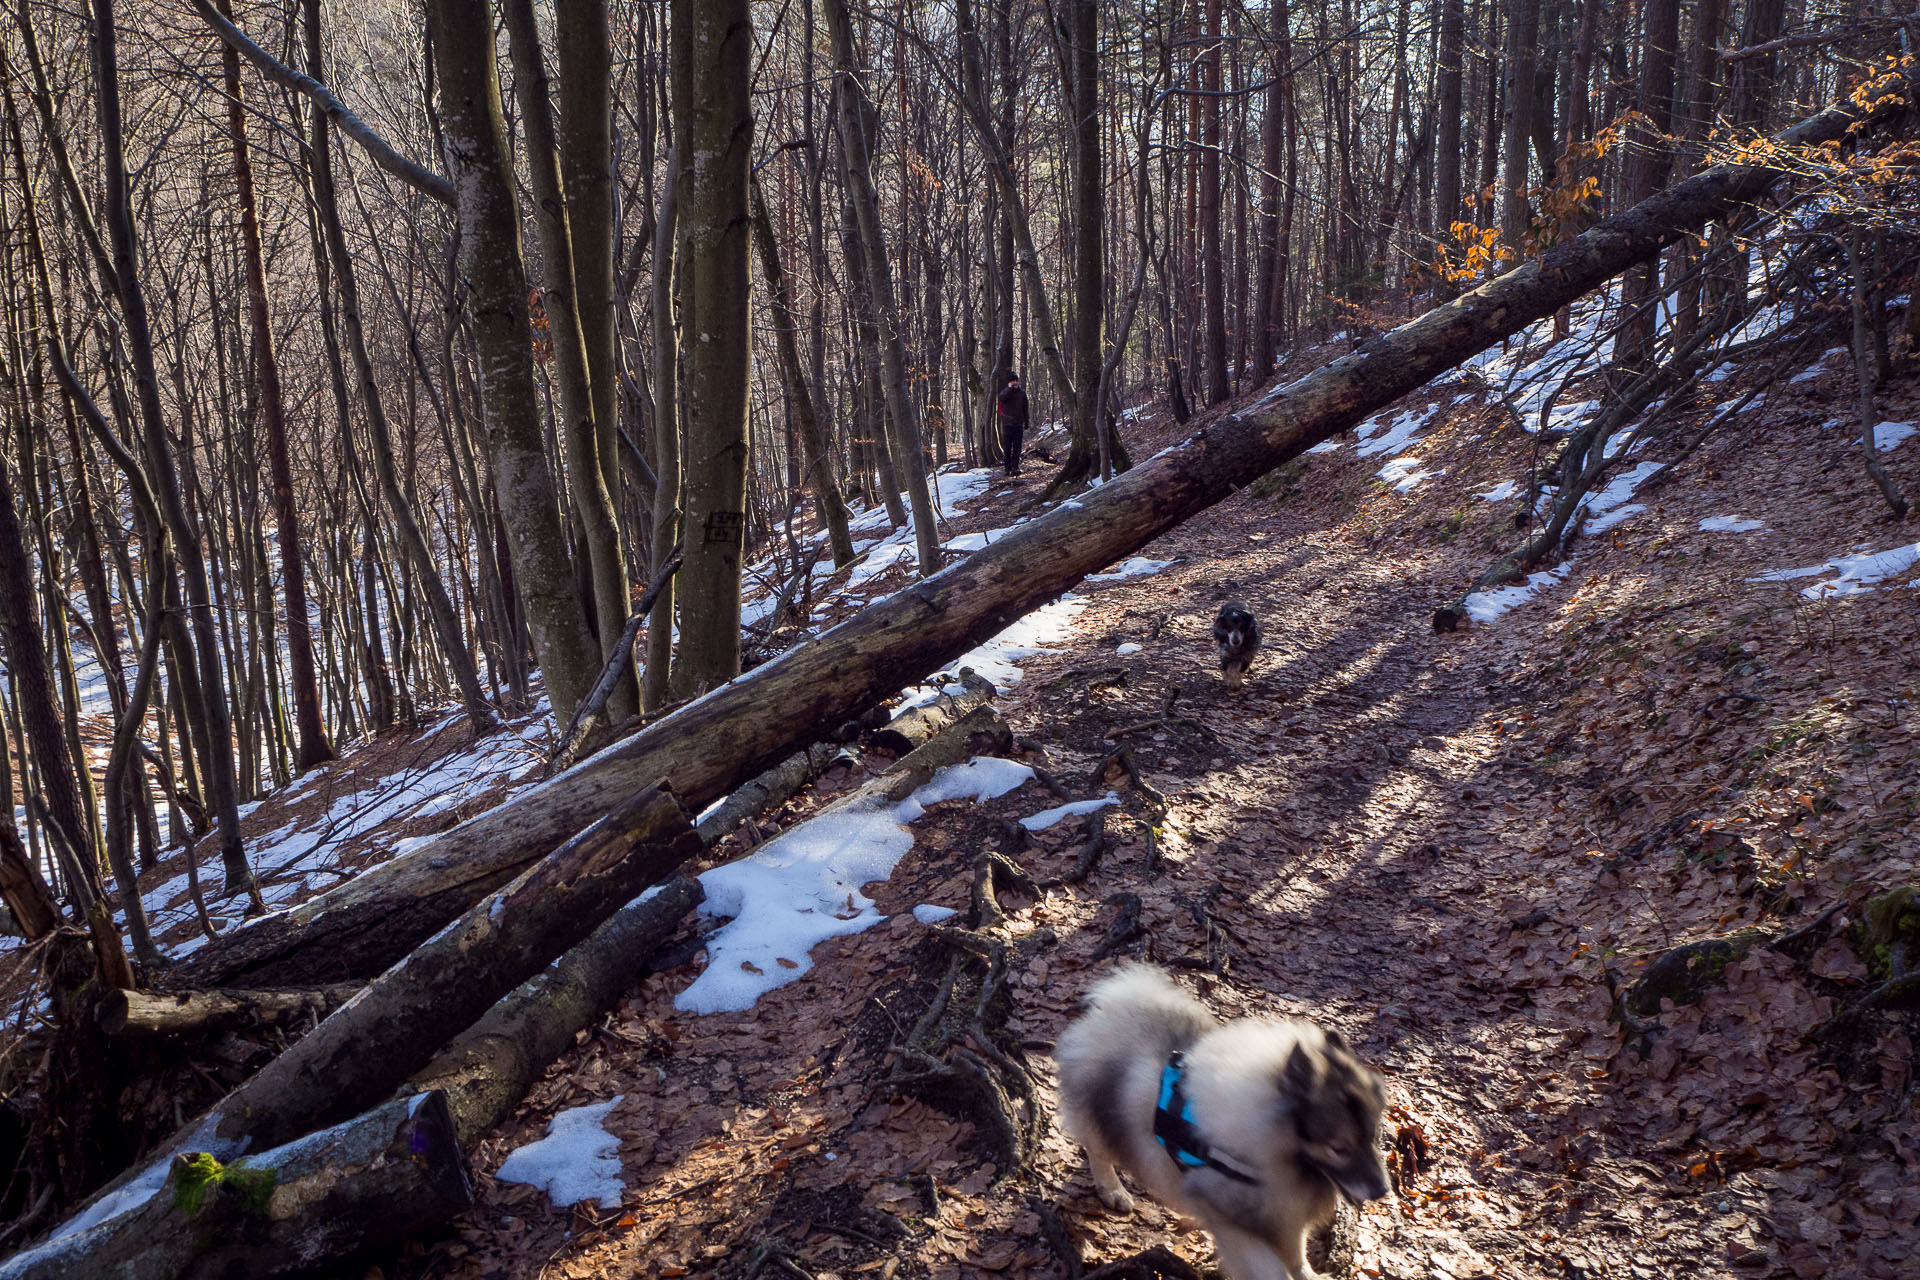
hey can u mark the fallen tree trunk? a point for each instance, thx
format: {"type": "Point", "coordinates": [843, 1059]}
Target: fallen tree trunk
{"type": "Point", "coordinates": [365, 925]}
{"type": "Point", "coordinates": [489, 1067]}
{"type": "Point", "coordinates": [713, 744]}
{"type": "Point", "coordinates": [774, 787]}
{"type": "Point", "coordinates": [395, 1170]}
{"type": "Point", "coordinates": [168, 1014]}
{"type": "Point", "coordinates": [369, 1045]}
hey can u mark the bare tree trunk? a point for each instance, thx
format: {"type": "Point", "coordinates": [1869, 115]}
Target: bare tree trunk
{"type": "Point", "coordinates": [1647, 163]}
{"type": "Point", "coordinates": [446, 624]}
{"type": "Point", "coordinates": [213, 708]}
{"type": "Point", "coordinates": [1267, 299]}
{"type": "Point", "coordinates": [583, 46]}
{"type": "Point", "coordinates": [22, 888]}
{"type": "Point", "coordinates": [313, 747]}
{"type": "Point", "coordinates": [1219, 385]}
{"type": "Point", "coordinates": [1866, 378]}
{"type": "Point", "coordinates": [1702, 97]}
{"type": "Point", "coordinates": [833, 512]}
{"type": "Point", "coordinates": [712, 52]}
{"type": "Point", "coordinates": [1084, 456]}
{"type": "Point", "coordinates": [666, 438]}
{"type": "Point", "coordinates": [473, 118]}
{"type": "Point", "coordinates": [565, 230]}
{"type": "Point", "coordinates": [1523, 34]}
{"type": "Point", "coordinates": [855, 114]}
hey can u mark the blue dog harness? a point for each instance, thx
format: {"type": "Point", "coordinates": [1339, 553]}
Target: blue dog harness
{"type": "Point", "coordinates": [1173, 1126]}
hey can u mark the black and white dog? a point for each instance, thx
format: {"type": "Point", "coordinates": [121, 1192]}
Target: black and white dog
{"type": "Point", "coordinates": [1256, 1127]}
{"type": "Point", "coordinates": [1239, 638]}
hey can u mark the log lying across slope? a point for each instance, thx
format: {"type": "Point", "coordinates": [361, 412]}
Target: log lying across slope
{"type": "Point", "coordinates": [486, 1070]}
{"type": "Point", "coordinates": [713, 744]}
{"type": "Point", "coordinates": [396, 1169]}
{"type": "Point", "coordinates": [392, 1028]}
{"type": "Point", "coordinates": [363, 926]}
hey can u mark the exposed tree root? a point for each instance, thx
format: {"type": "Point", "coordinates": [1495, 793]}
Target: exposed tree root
{"type": "Point", "coordinates": [954, 1055]}
{"type": "Point", "coordinates": [1165, 722]}
{"type": "Point", "coordinates": [1121, 758]}
{"type": "Point", "coordinates": [1125, 930]}
{"type": "Point", "coordinates": [994, 874]}
{"type": "Point", "coordinates": [1157, 1263]}
{"type": "Point", "coordinates": [1087, 857]}
{"type": "Point", "coordinates": [1215, 956]}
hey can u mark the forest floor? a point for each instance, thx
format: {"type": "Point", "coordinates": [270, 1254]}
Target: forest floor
{"type": "Point", "coordinates": [1436, 843]}
{"type": "Point", "coordinates": [1439, 844]}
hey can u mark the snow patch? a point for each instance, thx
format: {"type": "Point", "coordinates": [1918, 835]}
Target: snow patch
{"type": "Point", "coordinates": [1730, 524]}
{"type": "Point", "coordinates": [1502, 491]}
{"type": "Point", "coordinates": [803, 886]}
{"type": "Point", "coordinates": [1048, 817]}
{"type": "Point", "coordinates": [1127, 650]}
{"type": "Point", "coordinates": [927, 913]}
{"type": "Point", "coordinates": [1485, 606]}
{"type": "Point", "coordinates": [1397, 435]}
{"type": "Point", "coordinates": [1858, 572]}
{"type": "Point", "coordinates": [1137, 567]}
{"type": "Point", "coordinates": [1600, 524]}
{"type": "Point", "coordinates": [577, 1160]}
{"type": "Point", "coordinates": [1406, 473]}
{"type": "Point", "coordinates": [1891, 435]}
{"type": "Point", "coordinates": [998, 659]}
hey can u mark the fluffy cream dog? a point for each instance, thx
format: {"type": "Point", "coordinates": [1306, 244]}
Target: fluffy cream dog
{"type": "Point", "coordinates": [1255, 1127]}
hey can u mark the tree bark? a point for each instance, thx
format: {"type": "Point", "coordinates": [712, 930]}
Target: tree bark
{"type": "Point", "coordinates": [712, 51]}
{"type": "Point", "coordinates": [564, 230]}
{"type": "Point", "coordinates": [312, 746]}
{"type": "Point", "coordinates": [388, 1031]}
{"type": "Point", "coordinates": [395, 1170]}
{"type": "Point", "coordinates": [1267, 302]}
{"type": "Point", "coordinates": [1089, 242]}
{"type": "Point", "coordinates": [475, 125]}
{"type": "Point", "coordinates": [786, 322]}
{"type": "Point", "coordinates": [22, 888]}
{"type": "Point", "coordinates": [903, 416]}
{"type": "Point", "coordinates": [666, 440]}
{"type": "Point", "coordinates": [583, 47]}
{"type": "Point", "coordinates": [165, 1016]}
{"type": "Point", "coordinates": [1866, 378]}
{"type": "Point", "coordinates": [1219, 385]}
{"type": "Point", "coordinates": [1523, 35]}
{"type": "Point", "coordinates": [1646, 169]}
{"type": "Point", "coordinates": [489, 1067]}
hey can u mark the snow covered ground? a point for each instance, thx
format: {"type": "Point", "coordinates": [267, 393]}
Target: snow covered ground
{"type": "Point", "coordinates": [577, 1160]}
{"type": "Point", "coordinates": [1854, 572]}
{"type": "Point", "coordinates": [804, 885]}
{"type": "Point", "coordinates": [304, 857]}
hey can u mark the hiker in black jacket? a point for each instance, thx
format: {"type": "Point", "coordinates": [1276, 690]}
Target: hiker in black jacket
{"type": "Point", "coordinates": [1013, 422]}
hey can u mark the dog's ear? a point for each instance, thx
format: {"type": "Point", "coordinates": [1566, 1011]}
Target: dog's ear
{"type": "Point", "coordinates": [1300, 1071]}
{"type": "Point", "coordinates": [1337, 1042]}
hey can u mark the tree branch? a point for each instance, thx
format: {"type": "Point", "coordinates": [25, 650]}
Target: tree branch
{"type": "Point", "coordinates": [415, 175]}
